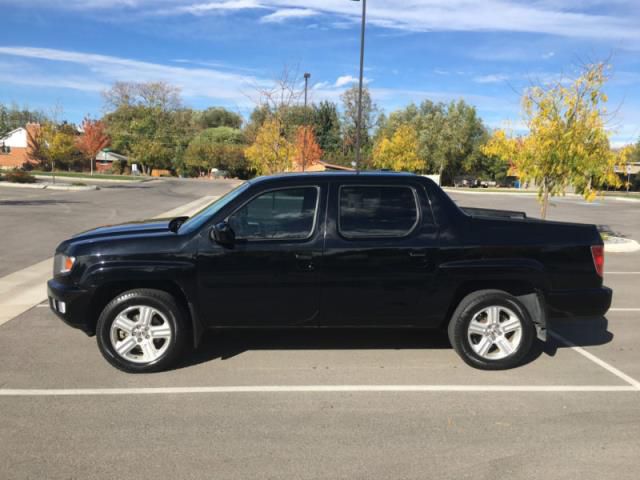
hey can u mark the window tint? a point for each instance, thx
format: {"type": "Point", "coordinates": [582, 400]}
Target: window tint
{"type": "Point", "coordinates": [277, 215]}
{"type": "Point", "coordinates": [370, 211]}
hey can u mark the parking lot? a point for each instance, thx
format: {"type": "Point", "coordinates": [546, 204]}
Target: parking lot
{"type": "Point", "coordinates": [316, 404]}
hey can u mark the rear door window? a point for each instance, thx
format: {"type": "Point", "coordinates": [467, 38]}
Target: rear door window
{"type": "Point", "coordinates": [377, 211]}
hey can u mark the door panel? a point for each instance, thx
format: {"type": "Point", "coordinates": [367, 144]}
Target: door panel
{"type": "Point", "coordinates": [378, 279]}
{"type": "Point", "coordinates": [269, 277]}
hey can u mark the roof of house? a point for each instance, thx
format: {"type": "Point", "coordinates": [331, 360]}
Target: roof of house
{"type": "Point", "coordinates": [12, 132]}
{"type": "Point", "coordinates": [111, 156]}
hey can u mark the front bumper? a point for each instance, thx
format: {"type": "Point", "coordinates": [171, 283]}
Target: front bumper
{"type": "Point", "coordinates": [593, 302]}
{"type": "Point", "coordinates": [71, 304]}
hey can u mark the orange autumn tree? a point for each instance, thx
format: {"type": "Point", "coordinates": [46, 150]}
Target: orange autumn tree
{"type": "Point", "coordinates": [308, 152]}
{"type": "Point", "coordinates": [93, 139]}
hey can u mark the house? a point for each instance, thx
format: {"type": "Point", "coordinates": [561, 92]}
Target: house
{"type": "Point", "coordinates": [16, 146]}
{"type": "Point", "coordinates": [320, 166]}
{"type": "Point", "coordinates": [105, 159]}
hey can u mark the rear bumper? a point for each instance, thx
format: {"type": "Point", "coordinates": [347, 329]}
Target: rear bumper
{"type": "Point", "coordinates": [580, 303]}
{"type": "Point", "coordinates": [71, 304]}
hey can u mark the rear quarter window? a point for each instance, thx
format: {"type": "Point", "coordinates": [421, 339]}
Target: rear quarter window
{"type": "Point", "coordinates": [377, 211]}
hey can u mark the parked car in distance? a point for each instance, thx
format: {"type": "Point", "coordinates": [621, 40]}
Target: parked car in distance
{"type": "Point", "coordinates": [368, 249]}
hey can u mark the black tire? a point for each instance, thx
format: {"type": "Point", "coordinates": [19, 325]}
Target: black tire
{"type": "Point", "coordinates": [170, 312]}
{"type": "Point", "coordinates": [474, 303]}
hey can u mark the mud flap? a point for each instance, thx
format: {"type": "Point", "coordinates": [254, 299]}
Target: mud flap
{"type": "Point", "coordinates": [535, 305]}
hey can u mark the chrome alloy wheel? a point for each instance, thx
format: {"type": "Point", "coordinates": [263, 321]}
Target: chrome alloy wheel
{"type": "Point", "coordinates": [495, 332]}
{"type": "Point", "coordinates": [140, 334]}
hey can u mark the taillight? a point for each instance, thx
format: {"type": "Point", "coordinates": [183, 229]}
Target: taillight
{"type": "Point", "coordinates": [597, 252]}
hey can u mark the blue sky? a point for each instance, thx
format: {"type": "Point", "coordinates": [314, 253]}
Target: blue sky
{"type": "Point", "coordinates": [486, 51]}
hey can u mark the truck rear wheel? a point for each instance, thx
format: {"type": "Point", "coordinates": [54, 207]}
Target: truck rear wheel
{"type": "Point", "coordinates": [491, 330]}
{"type": "Point", "coordinates": [141, 331]}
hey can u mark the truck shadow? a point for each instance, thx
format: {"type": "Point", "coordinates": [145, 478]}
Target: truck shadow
{"type": "Point", "coordinates": [582, 332]}
{"type": "Point", "coordinates": [223, 345]}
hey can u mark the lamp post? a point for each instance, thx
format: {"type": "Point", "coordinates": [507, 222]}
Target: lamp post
{"type": "Point", "coordinates": [359, 122]}
{"type": "Point", "coordinates": [306, 83]}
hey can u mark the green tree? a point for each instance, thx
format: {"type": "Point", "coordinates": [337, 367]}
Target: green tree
{"type": "Point", "coordinates": [450, 137]}
{"type": "Point", "coordinates": [567, 143]}
{"type": "Point", "coordinates": [221, 148]}
{"type": "Point", "coordinates": [149, 124]}
{"type": "Point", "coordinates": [350, 120]}
{"type": "Point", "coordinates": [326, 125]}
{"type": "Point", "coordinates": [13, 116]}
{"type": "Point", "coordinates": [214, 117]}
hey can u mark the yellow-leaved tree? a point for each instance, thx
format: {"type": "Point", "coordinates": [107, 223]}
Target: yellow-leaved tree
{"type": "Point", "coordinates": [400, 152]}
{"type": "Point", "coordinates": [567, 143]}
{"type": "Point", "coordinates": [271, 152]}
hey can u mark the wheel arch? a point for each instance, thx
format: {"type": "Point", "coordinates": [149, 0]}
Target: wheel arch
{"type": "Point", "coordinates": [527, 293]}
{"type": "Point", "coordinates": [107, 291]}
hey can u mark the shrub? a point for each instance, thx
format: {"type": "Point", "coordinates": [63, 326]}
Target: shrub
{"type": "Point", "coordinates": [19, 176]}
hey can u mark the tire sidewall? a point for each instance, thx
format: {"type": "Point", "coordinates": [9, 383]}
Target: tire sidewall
{"type": "Point", "coordinates": [465, 313]}
{"type": "Point", "coordinates": [165, 305]}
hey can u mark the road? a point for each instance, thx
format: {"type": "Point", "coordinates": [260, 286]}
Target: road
{"type": "Point", "coordinates": [352, 405]}
{"type": "Point", "coordinates": [35, 221]}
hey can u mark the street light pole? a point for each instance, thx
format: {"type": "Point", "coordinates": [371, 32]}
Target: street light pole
{"type": "Point", "coordinates": [306, 83]}
{"type": "Point", "coordinates": [359, 123]}
{"type": "Point", "coordinates": [304, 132]}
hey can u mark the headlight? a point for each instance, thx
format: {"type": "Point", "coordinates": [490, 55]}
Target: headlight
{"type": "Point", "coordinates": [62, 264]}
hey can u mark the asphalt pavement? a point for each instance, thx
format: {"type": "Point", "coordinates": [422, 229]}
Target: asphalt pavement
{"type": "Point", "coordinates": [326, 404]}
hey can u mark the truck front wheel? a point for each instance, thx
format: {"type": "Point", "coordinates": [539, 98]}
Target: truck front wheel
{"type": "Point", "coordinates": [491, 330]}
{"type": "Point", "coordinates": [141, 331]}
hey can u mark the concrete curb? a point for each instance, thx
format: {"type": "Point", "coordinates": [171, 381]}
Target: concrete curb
{"type": "Point", "coordinates": [91, 179]}
{"type": "Point", "coordinates": [72, 188]}
{"type": "Point", "coordinates": [44, 186]}
{"type": "Point", "coordinates": [480, 191]}
{"type": "Point", "coordinates": [22, 185]}
{"type": "Point", "coordinates": [621, 245]}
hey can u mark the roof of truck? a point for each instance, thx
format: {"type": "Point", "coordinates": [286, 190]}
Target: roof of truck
{"type": "Point", "coordinates": [309, 175]}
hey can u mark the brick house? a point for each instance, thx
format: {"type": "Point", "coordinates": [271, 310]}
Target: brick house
{"type": "Point", "coordinates": [16, 146]}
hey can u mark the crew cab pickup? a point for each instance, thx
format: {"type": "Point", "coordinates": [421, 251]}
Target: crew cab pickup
{"type": "Point", "coordinates": [367, 249]}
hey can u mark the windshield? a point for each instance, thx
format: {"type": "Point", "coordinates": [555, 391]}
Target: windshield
{"type": "Point", "coordinates": [196, 221]}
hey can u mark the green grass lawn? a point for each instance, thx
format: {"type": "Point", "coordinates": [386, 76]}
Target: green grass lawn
{"type": "Point", "coordinates": [98, 176]}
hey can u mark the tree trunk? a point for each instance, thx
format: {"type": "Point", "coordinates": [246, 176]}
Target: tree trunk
{"type": "Point", "coordinates": [545, 199]}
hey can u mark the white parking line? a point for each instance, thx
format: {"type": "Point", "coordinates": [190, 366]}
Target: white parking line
{"type": "Point", "coordinates": [624, 310]}
{"type": "Point", "coordinates": [621, 273]}
{"type": "Point", "coordinates": [66, 392]}
{"type": "Point", "coordinates": [610, 368]}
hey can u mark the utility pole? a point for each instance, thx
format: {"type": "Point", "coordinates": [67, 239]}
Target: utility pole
{"type": "Point", "coordinates": [306, 117]}
{"type": "Point", "coordinates": [359, 123]}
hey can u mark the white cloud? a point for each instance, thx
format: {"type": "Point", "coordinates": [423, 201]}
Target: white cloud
{"type": "Point", "coordinates": [97, 71]}
{"type": "Point", "coordinates": [288, 13]}
{"type": "Point", "coordinates": [210, 7]}
{"type": "Point", "coordinates": [345, 80]}
{"type": "Point", "coordinates": [562, 18]}
{"type": "Point", "coordinates": [548, 55]}
{"type": "Point", "coordinates": [492, 78]}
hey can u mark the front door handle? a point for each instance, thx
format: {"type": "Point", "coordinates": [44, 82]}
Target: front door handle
{"type": "Point", "coordinates": [417, 254]}
{"type": "Point", "coordinates": [306, 261]}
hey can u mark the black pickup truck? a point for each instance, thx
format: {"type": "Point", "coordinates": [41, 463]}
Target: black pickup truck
{"type": "Point", "coordinates": [368, 249]}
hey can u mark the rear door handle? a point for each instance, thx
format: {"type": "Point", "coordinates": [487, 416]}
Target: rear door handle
{"type": "Point", "coordinates": [417, 254]}
{"type": "Point", "coordinates": [302, 256]}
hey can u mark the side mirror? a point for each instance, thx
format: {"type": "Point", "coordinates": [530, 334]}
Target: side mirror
{"type": "Point", "coordinates": [223, 234]}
